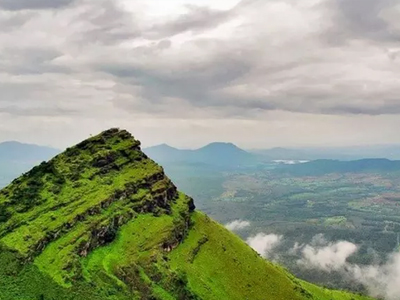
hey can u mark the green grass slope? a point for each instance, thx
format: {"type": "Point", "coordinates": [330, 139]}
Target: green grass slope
{"type": "Point", "coordinates": [102, 221]}
{"type": "Point", "coordinates": [219, 265]}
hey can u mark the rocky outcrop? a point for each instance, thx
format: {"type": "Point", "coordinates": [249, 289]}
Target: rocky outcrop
{"type": "Point", "coordinates": [160, 198]}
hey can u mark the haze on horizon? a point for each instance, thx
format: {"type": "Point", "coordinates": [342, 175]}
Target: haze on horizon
{"type": "Point", "coordinates": [258, 73]}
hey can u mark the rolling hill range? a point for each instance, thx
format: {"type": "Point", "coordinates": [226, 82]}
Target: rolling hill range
{"type": "Point", "coordinates": [325, 166]}
{"type": "Point", "coordinates": [391, 152]}
{"type": "Point", "coordinates": [16, 158]}
{"type": "Point", "coordinates": [103, 221]}
{"type": "Point", "coordinates": [215, 154]}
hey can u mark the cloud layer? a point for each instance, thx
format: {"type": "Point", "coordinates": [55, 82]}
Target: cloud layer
{"type": "Point", "coordinates": [67, 62]}
{"type": "Point", "coordinates": [324, 255]}
{"type": "Point", "coordinates": [33, 4]}
{"type": "Point", "coordinates": [381, 280]}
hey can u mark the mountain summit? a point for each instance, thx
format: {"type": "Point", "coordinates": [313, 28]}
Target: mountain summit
{"type": "Point", "coordinates": [101, 221]}
{"type": "Point", "coordinates": [214, 154]}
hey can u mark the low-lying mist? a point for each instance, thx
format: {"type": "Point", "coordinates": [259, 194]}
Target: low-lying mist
{"type": "Point", "coordinates": [380, 279]}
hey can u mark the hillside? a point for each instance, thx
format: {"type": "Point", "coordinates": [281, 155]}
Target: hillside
{"type": "Point", "coordinates": [325, 166]}
{"type": "Point", "coordinates": [16, 158]}
{"type": "Point", "coordinates": [214, 154]}
{"type": "Point", "coordinates": [102, 221]}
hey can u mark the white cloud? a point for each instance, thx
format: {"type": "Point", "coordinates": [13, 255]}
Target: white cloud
{"type": "Point", "coordinates": [381, 280]}
{"type": "Point", "coordinates": [330, 257]}
{"type": "Point", "coordinates": [264, 244]}
{"type": "Point", "coordinates": [237, 225]}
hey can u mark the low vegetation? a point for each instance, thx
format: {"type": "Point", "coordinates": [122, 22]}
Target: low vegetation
{"type": "Point", "coordinates": [102, 221]}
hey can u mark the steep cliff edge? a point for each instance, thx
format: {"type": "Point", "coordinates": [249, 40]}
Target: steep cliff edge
{"type": "Point", "coordinates": [103, 221]}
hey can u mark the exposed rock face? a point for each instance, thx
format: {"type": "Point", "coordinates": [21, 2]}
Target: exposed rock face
{"type": "Point", "coordinates": [101, 236]}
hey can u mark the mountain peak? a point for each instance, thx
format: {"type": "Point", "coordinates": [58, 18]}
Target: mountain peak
{"type": "Point", "coordinates": [163, 147]}
{"type": "Point", "coordinates": [11, 143]}
{"type": "Point", "coordinates": [112, 135]}
{"type": "Point", "coordinates": [106, 179]}
{"type": "Point", "coordinates": [217, 154]}
{"type": "Point", "coordinates": [221, 145]}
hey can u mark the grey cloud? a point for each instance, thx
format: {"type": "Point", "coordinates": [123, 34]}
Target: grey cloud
{"type": "Point", "coordinates": [106, 23]}
{"type": "Point", "coordinates": [30, 61]}
{"type": "Point", "coordinates": [197, 19]}
{"type": "Point", "coordinates": [191, 80]}
{"type": "Point", "coordinates": [33, 4]}
{"type": "Point", "coordinates": [12, 92]}
{"type": "Point", "coordinates": [12, 21]}
{"type": "Point", "coordinates": [391, 108]}
{"type": "Point", "coordinates": [394, 54]}
{"type": "Point", "coordinates": [246, 73]}
{"type": "Point", "coordinates": [109, 23]}
{"type": "Point", "coordinates": [31, 99]}
{"type": "Point", "coordinates": [95, 62]}
{"type": "Point", "coordinates": [227, 79]}
{"type": "Point", "coordinates": [363, 19]}
{"type": "Point", "coordinates": [36, 111]}
{"type": "Point", "coordinates": [255, 66]}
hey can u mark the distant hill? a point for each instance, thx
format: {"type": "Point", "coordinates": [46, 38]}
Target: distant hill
{"type": "Point", "coordinates": [102, 221]}
{"type": "Point", "coordinates": [226, 154]}
{"type": "Point", "coordinates": [166, 153]}
{"type": "Point", "coordinates": [216, 154]}
{"type": "Point", "coordinates": [335, 153]}
{"type": "Point", "coordinates": [17, 158]}
{"type": "Point", "coordinates": [325, 166]}
{"type": "Point", "coordinates": [279, 153]}
{"type": "Point", "coordinates": [21, 152]}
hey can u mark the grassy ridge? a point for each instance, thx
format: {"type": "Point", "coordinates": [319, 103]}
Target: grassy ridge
{"type": "Point", "coordinates": [102, 221]}
{"type": "Point", "coordinates": [210, 250]}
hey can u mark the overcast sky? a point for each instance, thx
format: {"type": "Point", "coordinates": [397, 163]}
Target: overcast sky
{"type": "Point", "coordinates": [259, 73]}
